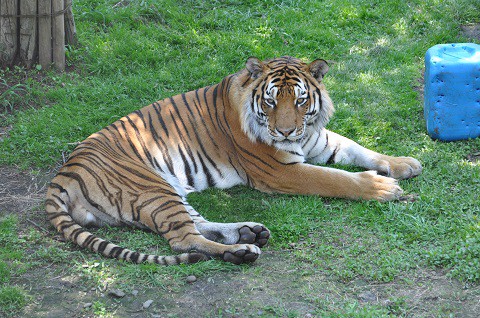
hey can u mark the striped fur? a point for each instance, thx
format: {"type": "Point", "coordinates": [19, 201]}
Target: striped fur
{"type": "Point", "coordinates": [257, 127]}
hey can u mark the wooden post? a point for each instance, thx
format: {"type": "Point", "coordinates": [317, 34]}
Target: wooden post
{"type": "Point", "coordinates": [70, 30]}
{"type": "Point", "coordinates": [45, 34]}
{"type": "Point", "coordinates": [35, 31]}
{"type": "Point", "coordinates": [8, 32]}
{"type": "Point", "coordinates": [58, 35]}
{"type": "Point", "coordinates": [28, 31]}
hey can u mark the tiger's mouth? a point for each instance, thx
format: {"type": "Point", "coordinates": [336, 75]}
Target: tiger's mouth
{"type": "Point", "coordinates": [286, 135]}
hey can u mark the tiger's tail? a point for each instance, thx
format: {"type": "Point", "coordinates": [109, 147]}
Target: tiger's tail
{"type": "Point", "coordinates": [57, 211]}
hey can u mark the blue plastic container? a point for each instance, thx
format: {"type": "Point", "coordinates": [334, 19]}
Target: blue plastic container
{"type": "Point", "coordinates": [452, 91]}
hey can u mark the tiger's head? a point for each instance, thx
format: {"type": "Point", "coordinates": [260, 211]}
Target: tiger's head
{"type": "Point", "coordinates": [283, 99]}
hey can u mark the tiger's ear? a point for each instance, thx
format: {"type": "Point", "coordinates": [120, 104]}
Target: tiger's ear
{"type": "Point", "coordinates": [255, 67]}
{"type": "Point", "coordinates": [318, 69]}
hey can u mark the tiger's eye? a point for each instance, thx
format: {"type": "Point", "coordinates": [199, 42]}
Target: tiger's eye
{"type": "Point", "coordinates": [270, 101]}
{"type": "Point", "coordinates": [301, 101]}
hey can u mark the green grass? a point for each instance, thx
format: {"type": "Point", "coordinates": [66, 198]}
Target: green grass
{"type": "Point", "coordinates": [12, 297]}
{"type": "Point", "coordinates": [130, 56]}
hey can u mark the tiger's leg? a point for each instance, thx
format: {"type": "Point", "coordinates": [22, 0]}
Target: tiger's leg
{"type": "Point", "coordinates": [230, 233]}
{"type": "Point", "coordinates": [169, 217]}
{"type": "Point", "coordinates": [329, 147]}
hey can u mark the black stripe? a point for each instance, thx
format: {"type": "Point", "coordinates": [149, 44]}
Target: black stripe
{"type": "Point", "coordinates": [284, 163]}
{"type": "Point", "coordinates": [140, 115]}
{"type": "Point", "coordinates": [102, 246]}
{"type": "Point", "coordinates": [156, 107]}
{"type": "Point", "coordinates": [174, 214]}
{"type": "Point", "coordinates": [172, 226]}
{"type": "Point", "coordinates": [52, 203]}
{"type": "Point", "coordinates": [214, 98]}
{"type": "Point", "coordinates": [179, 225]}
{"type": "Point", "coordinates": [52, 216]}
{"type": "Point", "coordinates": [76, 233]}
{"type": "Point", "coordinates": [54, 185]}
{"type": "Point", "coordinates": [254, 156]}
{"type": "Point", "coordinates": [178, 239]}
{"type": "Point", "coordinates": [59, 199]}
{"type": "Point", "coordinates": [134, 257]}
{"type": "Point", "coordinates": [185, 102]}
{"type": "Point", "coordinates": [207, 105]}
{"type": "Point", "coordinates": [192, 157]}
{"type": "Point", "coordinates": [118, 142]}
{"type": "Point", "coordinates": [88, 240]}
{"type": "Point", "coordinates": [200, 116]}
{"type": "Point", "coordinates": [331, 159]}
{"type": "Point", "coordinates": [146, 151]}
{"type": "Point", "coordinates": [116, 251]}
{"type": "Point", "coordinates": [235, 167]}
{"type": "Point", "coordinates": [143, 259]}
{"type": "Point", "coordinates": [163, 207]}
{"type": "Point", "coordinates": [130, 142]}
{"type": "Point", "coordinates": [206, 171]}
{"type": "Point", "coordinates": [161, 146]}
{"type": "Point", "coordinates": [319, 94]}
{"type": "Point", "coordinates": [245, 83]}
{"type": "Point", "coordinates": [159, 197]}
{"type": "Point", "coordinates": [205, 153]}
{"type": "Point", "coordinates": [65, 224]}
{"type": "Point", "coordinates": [179, 116]}
{"type": "Point", "coordinates": [188, 170]}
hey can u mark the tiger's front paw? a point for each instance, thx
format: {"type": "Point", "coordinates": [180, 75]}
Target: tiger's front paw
{"type": "Point", "coordinates": [400, 167]}
{"type": "Point", "coordinates": [373, 186]}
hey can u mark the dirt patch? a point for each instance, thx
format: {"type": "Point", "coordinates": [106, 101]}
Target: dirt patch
{"type": "Point", "coordinates": [275, 290]}
{"type": "Point", "coordinates": [21, 191]}
{"type": "Point", "coordinates": [277, 285]}
{"type": "Point", "coordinates": [471, 31]}
{"type": "Point", "coordinates": [474, 157]}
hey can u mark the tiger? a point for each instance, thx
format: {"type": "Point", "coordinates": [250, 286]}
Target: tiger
{"type": "Point", "coordinates": [263, 127]}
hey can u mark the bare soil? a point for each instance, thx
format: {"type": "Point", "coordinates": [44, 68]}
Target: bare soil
{"type": "Point", "coordinates": [281, 286]}
{"type": "Point", "coordinates": [471, 31]}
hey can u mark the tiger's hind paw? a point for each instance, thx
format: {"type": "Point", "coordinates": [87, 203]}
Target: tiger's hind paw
{"type": "Point", "coordinates": [245, 254]}
{"type": "Point", "coordinates": [257, 235]}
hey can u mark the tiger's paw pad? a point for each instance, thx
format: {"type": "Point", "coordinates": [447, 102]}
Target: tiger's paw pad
{"type": "Point", "coordinates": [247, 255]}
{"type": "Point", "coordinates": [257, 235]}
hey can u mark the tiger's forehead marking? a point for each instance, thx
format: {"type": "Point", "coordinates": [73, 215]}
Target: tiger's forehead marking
{"type": "Point", "coordinates": [296, 87]}
{"type": "Point", "coordinates": [286, 61]}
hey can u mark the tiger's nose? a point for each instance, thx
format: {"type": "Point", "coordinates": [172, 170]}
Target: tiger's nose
{"type": "Point", "coordinates": [286, 131]}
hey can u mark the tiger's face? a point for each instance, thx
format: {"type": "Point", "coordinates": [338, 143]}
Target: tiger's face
{"type": "Point", "coordinates": [285, 109]}
{"type": "Point", "coordinates": [287, 97]}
